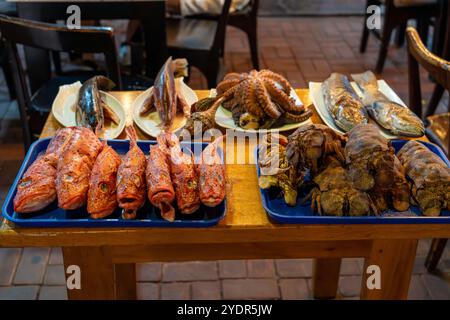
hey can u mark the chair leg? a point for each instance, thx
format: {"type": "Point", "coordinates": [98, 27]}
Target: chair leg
{"type": "Point", "coordinates": [385, 39]}
{"type": "Point", "coordinates": [435, 99]}
{"type": "Point", "coordinates": [211, 76]}
{"type": "Point", "coordinates": [435, 253]}
{"type": "Point", "coordinates": [9, 79]}
{"type": "Point", "coordinates": [422, 29]}
{"type": "Point", "coordinates": [252, 36]}
{"type": "Point", "coordinates": [400, 35]}
{"type": "Point", "coordinates": [365, 33]}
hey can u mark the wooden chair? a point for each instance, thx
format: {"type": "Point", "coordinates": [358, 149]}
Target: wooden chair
{"type": "Point", "coordinates": [441, 44]}
{"type": "Point", "coordinates": [150, 13]}
{"type": "Point", "coordinates": [54, 38]}
{"type": "Point", "coordinates": [439, 69]}
{"type": "Point", "coordinates": [200, 41]}
{"type": "Point", "coordinates": [9, 9]}
{"type": "Point", "coordinates": [246, 20]}
{"type": "Point", "coordinates": [396, 15]}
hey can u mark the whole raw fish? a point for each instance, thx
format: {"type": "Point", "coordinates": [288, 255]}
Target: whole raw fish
{"type": "Point", "coordinates": [102, 199]}
{"type": "Point", "coordinates": [342, 102]}
{"type": "Point", "coordinates": [37, 188]}
{"type": "Point", "coordinates": [211, 176]}
{"type": "Point", "coordinates": [184, 176]}
{"type": "Point", "coordinates": [390, 115]}
{"type": "Point", "coordinates": [160, 189]}
{"type": "Point", "coordinates": [165, 95]}
{"type": "Point", "coordinates": [91, 110]}
{"type": "Point", "coordinates": [131, 178]}
{"type": "Point", "coordinates": [74, 168]}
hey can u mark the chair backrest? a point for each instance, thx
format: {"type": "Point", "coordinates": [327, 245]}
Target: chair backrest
{"type": "Point", "coordinates": [438, 68]}
{"type": "Point", "coordinates": [222, 25]}
{"type": "Point", "coordinates": [150, 13]}
{"type": "Point", "coordinates": [53, 37]}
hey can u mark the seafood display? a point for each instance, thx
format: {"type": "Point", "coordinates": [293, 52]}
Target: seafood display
{"type": "Point", "coordinates": [37, 188]}
{"type": "Point", "coordinates": [429, 177]}
{"type": "Point", "coordinates": [91, 110]}
{"type": "Point", "coordinates": [131, 178]}
{"type": "Point", "coordinates": [354, 174]}
{"type": "Point", "coordinates": [390, 115]}
{"type": "Point", "coordinates": [310, 144]}
{"type": "Point", "coordinates": [211, 176]}
{"type": "Point", "coordinates": [166, 97]}
{"type": "Point", "coordinates": [342, 102]}
{"type": "Point", "coordinates": [336, 195]}
{"type": "Point", "coordinates": [160, 189]}
{"type": "Point", "coordinates": [74, 167]}
{"type": "Point", "coordinates": [284, 176]}
{"type": "Point", "coordinates": [184, 176]}
{"type": "Point", "coordinates": [101, 199]}
{"type": "Point", "coordinates": [373, 166]}
{"type": "Point", "coordinates": [260, 99]}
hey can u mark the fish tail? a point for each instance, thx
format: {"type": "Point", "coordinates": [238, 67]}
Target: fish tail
{"type": "Point", "coordinates": [104, 83]}
{"type": "Point", "coordinates": [365, 79]}
{"type": "Point", "coordinates": [132, 135]}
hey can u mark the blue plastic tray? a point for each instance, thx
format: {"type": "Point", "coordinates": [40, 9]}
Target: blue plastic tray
{"type": "Point", "coordinates": [148, 216]}
{"type": "Point", "coordinates": [280, 212]}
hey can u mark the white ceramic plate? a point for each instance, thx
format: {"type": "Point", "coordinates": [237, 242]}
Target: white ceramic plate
{"type": "Point", "coordinates": [63, 109]}
{"type": "Point", "coordinates": [224, 118]}
{"type": "Point", "coordinates": [315, 92]}
{"type": "Point", "coordinates": [150, 123]}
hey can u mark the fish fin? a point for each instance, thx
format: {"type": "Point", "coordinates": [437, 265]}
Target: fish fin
{"type": "Point", "coordinates": [365, 79]}
{"type": "Point", "coordinates": [167, 211]}
{"type": "Point", "coordinates": [180, 67]}
{"type": "Point", "coordinates": [109, 113]}
{"type": "Point", "coordinates": [104, 83]}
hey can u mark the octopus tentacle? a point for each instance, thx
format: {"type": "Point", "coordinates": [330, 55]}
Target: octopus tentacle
{"type": "Point", "coordinates": [225, 85]}
{"type": "Point", "coordinates": [232, 76]}
{"type": "Point", "coordinates": [291, 117]}
{"type": "Point", "coordinates": [286, 102]}
{"type": "Point", "coordinates": [249, 98]}
{"type": "Point", "coordinates": [277, 78]}
{"type": "Point", "coordinates": [264, 100]}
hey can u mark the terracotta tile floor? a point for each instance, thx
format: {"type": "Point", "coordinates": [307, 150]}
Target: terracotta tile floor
{"type": "Point", "coordinates": [303, 49]}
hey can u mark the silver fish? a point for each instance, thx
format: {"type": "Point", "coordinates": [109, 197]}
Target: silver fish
{"type": "Point", "coordinates": [390, 115]}
{"type": "Point", "coordinates": [91, 109]}
{"type": "Point", "coordinates": [342, 102]}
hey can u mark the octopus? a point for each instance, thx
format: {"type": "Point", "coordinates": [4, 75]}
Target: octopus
{"type": "Point", "coordinates": [260, 99]}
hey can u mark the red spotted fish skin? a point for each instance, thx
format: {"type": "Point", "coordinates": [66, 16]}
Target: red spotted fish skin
{"type": "Point", "coordinates": [74, 168]}
{"type": "Point", "coordinates": [37, 188]}
{"type": "Point", "coordinates": [160, 189]}
{"type": "Point", "coordinates": [131, 178]}
{"type": "Point", "coordinates": [211, 173]}
{"type": "Point", "coordinates": [184, 176]}
{"type": "Point", "coordinates": [102, 199]}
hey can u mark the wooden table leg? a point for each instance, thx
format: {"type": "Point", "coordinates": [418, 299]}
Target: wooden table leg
{"type": "Point", "coordinates": [125, 280]}
{"type": "Point", "coordinates": [326, 277]}
{"type": "Point", "coordinates": [395, 258]}
{"type": "Point", "coordinates": [96, 273]}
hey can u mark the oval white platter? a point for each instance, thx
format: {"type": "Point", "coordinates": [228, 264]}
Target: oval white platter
{"type": "Point", "coordinates": [224, 118]}
{"type": "Point", "coordinates": [315, 93]}
{"type": "Point", "coordinates": [64, 106]}
{"type": "Point", "coordinates": [150, 123]}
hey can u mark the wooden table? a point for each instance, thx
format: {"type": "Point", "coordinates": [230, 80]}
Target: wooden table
{"type": "Point", "coordinates": [107, 256]}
